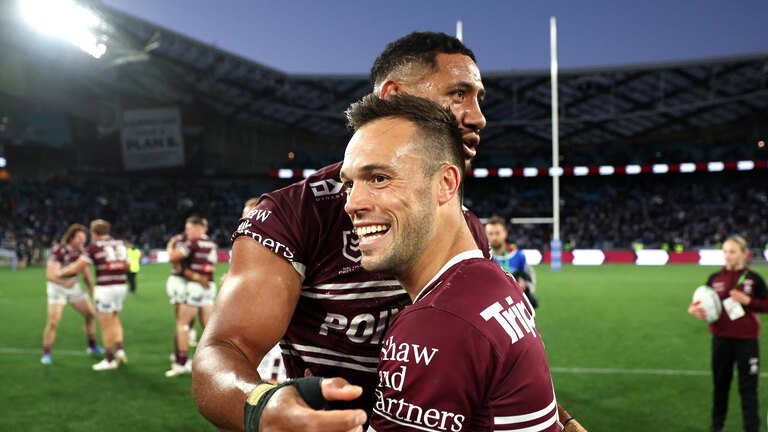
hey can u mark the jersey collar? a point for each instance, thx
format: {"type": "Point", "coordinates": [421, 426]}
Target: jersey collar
{"type": "Point", "coordinates": [463, 256]}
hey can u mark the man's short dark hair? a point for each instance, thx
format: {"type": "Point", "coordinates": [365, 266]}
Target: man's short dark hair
{"type": "Point", "coordinates": [416, 49]}
{"type": "Point", "coordinates": [497, 220]}
{"type": "Point", "coordinates": [439, 135]}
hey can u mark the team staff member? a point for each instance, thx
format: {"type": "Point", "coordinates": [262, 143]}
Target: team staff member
{"type": "Point", "coordinates": [134, 265]}
{"type": "Point", "coordinates": [510, 258]}
{"type": "Point", "coordinates": [735, 334]}
{"type": "Point", "coordinates": [481, 370]}
{"type": "Point", "coordinates": [110, 260]}
{"type": "Point", "coordinates": [65, 290]}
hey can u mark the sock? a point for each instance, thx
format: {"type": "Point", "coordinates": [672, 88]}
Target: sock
{"type": "Point", "coordinates": [91, 341]}
{"type": "Point", "coordinates": [47, 349]}
{"type": "Point", "coordinates": [109, 355]}
{"type": "Point", "coordinates": [181, 357]}
{"type": "Point", "coordinates": [118, 346]}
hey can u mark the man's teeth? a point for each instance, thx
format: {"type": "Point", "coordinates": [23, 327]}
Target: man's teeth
{"type": "Point", "coordinates": [371, 229]}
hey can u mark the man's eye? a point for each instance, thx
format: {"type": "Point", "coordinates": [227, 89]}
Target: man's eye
{"type": "Point", "coordinates": [349, 184]}
{"type": "Point", "coordinates": [379, 179]}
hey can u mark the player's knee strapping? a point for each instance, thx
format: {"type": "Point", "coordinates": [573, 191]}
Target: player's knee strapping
{"type": "Point", "coordinates": [309, 389]}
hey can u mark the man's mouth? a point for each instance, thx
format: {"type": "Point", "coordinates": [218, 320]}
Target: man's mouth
{"type": "Point", "coordinates": [370, 233]}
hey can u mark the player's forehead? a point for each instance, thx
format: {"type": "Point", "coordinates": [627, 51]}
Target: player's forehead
{"type": "Point", "coordinates": [456, 69]}
{"type": "Point", "coordinates": [384, 143]}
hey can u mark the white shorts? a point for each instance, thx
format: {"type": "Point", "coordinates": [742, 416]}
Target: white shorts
{"type": "Point", "coordinates": [176, 288]}
{"type": "Point", "coordinates": [58, 294]}
{"type": "Point", "coordinates": [198, 296]}
{"type": "Point", "coordinates": [109, 298]}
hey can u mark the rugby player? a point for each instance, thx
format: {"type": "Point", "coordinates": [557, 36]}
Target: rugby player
{"type": "Point", "coordinates": [200, 256]}
{"type": "Point", "coordinates": [466, 355]}
{"type": "Point", "coordinates": [110, 259]}
{"type": "Point", "coordinates": [63, 291]}
{"type": "Point", "coordinates": [295, 275]}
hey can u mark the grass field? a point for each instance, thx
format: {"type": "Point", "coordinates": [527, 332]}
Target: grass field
{"type": "Point", "coordinates": [625, 356]}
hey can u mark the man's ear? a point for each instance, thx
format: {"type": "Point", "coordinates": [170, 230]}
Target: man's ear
{"type": "Point", "coordinates": [389, 88]}
{"type": "Point", "coordinates": [449, 182]}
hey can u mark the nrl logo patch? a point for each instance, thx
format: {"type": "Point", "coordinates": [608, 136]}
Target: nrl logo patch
{"type": "Point", "coordinates": [351, 248]}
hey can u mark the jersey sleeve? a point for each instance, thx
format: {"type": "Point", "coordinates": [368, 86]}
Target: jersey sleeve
{"type": "Point", "coordinates": [89, 253]}
{"type": "Point", "coordinates": [759, 302]}
{"type": "Point", "coordinates": [275, 223]}
{"type": "Point", "coordinates": [432, 380]}
{"type": "Point", "coordinates": [56, 255]}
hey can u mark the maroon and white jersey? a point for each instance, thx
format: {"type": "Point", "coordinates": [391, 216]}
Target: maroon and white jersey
{"type": "Point", "coordinates": [110, 259]}
{"type": "Point", "coordinates": [751, 284]}
{"type": "Point", "coordinates": [63, 255]}
{"type": "Point", "coordinates": [466, 356]}
{"type": "Point", "coordinates": [177, 268]}
{"type": "Point", "coordinates": [343, 312]}
{"type": "Point", "coordinates": [201, 256]}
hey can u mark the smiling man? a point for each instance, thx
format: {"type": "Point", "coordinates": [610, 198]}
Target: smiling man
{"type": "Point", "coordinates": [466, 355]}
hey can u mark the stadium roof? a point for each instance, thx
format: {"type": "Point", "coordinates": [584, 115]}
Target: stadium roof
{"type": "Point", "coordinates": [598, 106]}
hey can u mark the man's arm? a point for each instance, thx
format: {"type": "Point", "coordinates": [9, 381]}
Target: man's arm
{"type": "Point", "coordinates": [88, 281]}
{"type": "Point", "coordinates": [251, 314]}
{"type": "Point", "coordinates": [52, 273]}
{"type": "Point", "coordinates": [74, 268]}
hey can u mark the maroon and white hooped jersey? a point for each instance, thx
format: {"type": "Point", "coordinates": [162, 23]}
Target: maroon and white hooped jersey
{"type": "Point", "coordinates": [63, 255]}
{"type": "Point", "coordinates": [110, 258]}
{"type": "Point", "coordinates": [201, 255]}
{"type": "Point", "coordinates": [466, 356]}
{"type": "Point", "coordinates": [177, 268]}
{"type": "Point", "coordinates": [343, 311]}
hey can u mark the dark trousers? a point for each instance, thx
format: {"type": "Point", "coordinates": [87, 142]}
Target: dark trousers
{"type": "Point", "coordinates": [746, 354]}
{"type": "Point", "coordinates": [132, 281]}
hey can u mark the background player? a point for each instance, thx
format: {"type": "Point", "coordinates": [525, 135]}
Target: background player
{"type": "Point", "coordinates": [510, 258]}
{"type": "Point", "coordinates": [110, 260]}
{"type": "Point", "coordinates": [62, 291]}
{"type": "Point", "coordinates": [453, 352]}
{"type": "Point", "coordinates": [199, 255]}
{"type": "Point", "coordinates": [735, 334]}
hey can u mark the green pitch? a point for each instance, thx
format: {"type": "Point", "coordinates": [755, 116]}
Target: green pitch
{"type": "Point", "coordinates": [624, 353]}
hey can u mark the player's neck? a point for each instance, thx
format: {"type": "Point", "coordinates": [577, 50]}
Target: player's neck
{"type": "Point", "coordinates": [736, 267]}
{"type": "Point", "coordinates": [444, 245]}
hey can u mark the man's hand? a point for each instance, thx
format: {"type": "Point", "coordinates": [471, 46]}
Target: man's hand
{"type": "Point", "coordinates": [741, 297]}
{"type": "Point", "coordinates": [696, 310]}
{"type": "Point", "coordinates": [286, 411]}
{"type": "Point", "coordinates": [573, 426]}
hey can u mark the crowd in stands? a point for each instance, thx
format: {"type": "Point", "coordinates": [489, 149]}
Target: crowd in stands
{"type": "Point", "coordinates": [694, 210]}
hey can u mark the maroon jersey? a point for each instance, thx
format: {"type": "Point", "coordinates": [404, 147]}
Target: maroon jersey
{"type": "Point", "coordinates": [177, 268]}
{"type": "Point", "coordinates": [201, 256]}
{"type": "Point", "coordinates": [63, 255]}
{"type": "Point", "coordinates": [110, 259]}
{"type": "Point", "coordinates": [466, 356]}
{"type": "Point", "coordinates": [748, 326]}
{"type": "Point", "coordinates": [343, 312]}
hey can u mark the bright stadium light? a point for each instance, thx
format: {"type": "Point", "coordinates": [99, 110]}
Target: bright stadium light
{"type": "Point", "coordinates": [745, 165]}
{"type": "Point", "coordinates": [580, 171]}
{"type": "Point", "coordinates": [3, 162]}
{"type": "Point", "coordinates": [308, 172]}
{"type": "Point", "coordinates": [633, 169]}
{"type": "Point", "coordinates": [285, 173]}
{"type": "Point", "coordinates": [606, 170]}
{"type": "Point", "coordinates": [556, 171]}
{"type": "Point", "coordinates": [687, 167]}
{"type": "Point", "coordinates": [660, 168]}
{"type": "Point", "coordinates": [67, 20]}
{"type": "Point", "coordinates": [505, 172]}
{"type": "Point", "coordinates": [480, 172]}
{"type": "Point", "coordinates": [715, 166]}
{"type": "Point", "coordinates": [530, 172]}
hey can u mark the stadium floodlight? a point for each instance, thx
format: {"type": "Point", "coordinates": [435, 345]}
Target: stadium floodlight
{"type": "Point", "coordinates": [606, 170]}
{"type": "Point", "coordinates": [633, 169]}
{"type": "Point", "coordinates": [285, 173]}
{"type": "Point", "coordinates": [67, 20]}
{"type": "Point", "coordinates": [530, 172]}
{"type": "Point", "coordinates": [480, 172]}
{"type": "Point", "coordinates": [715, 166]}
{"type": "Point", "coordinates": [660, 168]}
{"type": "Point", "coordinates": [745, 165]}
{"type": "Point", "coordinates": [580, 171]}
{"type": "Point", "coordinates": [3, 162]}
{"type": "Point", "coordinates": [687, 167]}
{"type": "Point", "coordinates": [505, 172]}
{"type": "Point", "coordinates": [556, 171]}
{"type": "Point", "coordinates": [308, 172]}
